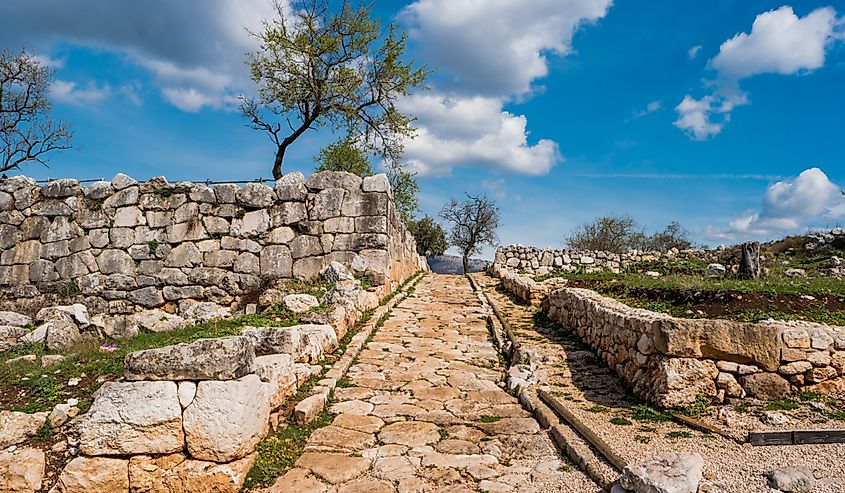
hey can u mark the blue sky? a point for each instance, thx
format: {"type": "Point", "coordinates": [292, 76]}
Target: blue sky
{"type": "Point", "coordinates": [727, 116]}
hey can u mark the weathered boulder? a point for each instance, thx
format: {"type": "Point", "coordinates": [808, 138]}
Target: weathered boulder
{"type": "Point", "coordinates": [670, 473]}
{"type": "Point", "coordinates": [94, 474]}
{"type": "Point", "coordinates": [277, 371]}
{"type": "Point", "coordinates": [133, 418]}
{"type": "Point", "coordinates": [226, 420]}
{"type": "Point", "coordinates": [157, 321]}
{"type": "Point", "coordinates": [301, 303]}
{"type": "Point", "coordinates": [715, 270]}
{"type": "Point", "coordinates": [76, 313]}
{"type": "Point", "coordinates": [14, 319]}
{"type": "Point", "coordinates": [206, 312]}
{"type": "Point", "coordinates": [274, 340]}
{"type": "Point", "coordinates": [223, 358]}
{"type": "Point", "coordinates": [22, 470]}
{"type": "Point", "coordinates": [16, 427]}
{"type": "Point", "coordinates": [10, 336]}
{"type": "Point", "coordinates": [791, 479]}
{"type": "Point", "coordinates": [177, 473]}
{"type": "Point", "coordinates": [679, 381]}
{"type": "Point", "coordinates": [335, 272]}
{"type": "Point", "coordinates": [765, 386]}
{"type": "Point", "coordinates": [61, 335]}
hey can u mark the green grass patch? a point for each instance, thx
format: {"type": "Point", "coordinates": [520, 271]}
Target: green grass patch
{"type": "Point", "coordinates": [488, 419]}
{"type": "Point", "coordinates": [620, 421]}
{"type": "Point", "coordinates": [675, 435]}
{"type": "Point", "coordinates": [782, 405]}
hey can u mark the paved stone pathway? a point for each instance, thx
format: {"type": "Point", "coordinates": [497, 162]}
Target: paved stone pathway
{"type": "Point", "coordinates": [424, 413]}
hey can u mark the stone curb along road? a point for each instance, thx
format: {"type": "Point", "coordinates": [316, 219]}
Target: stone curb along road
{"type": "Point", "coordinates": [310, 407]}
{"type": "Point", "coordinates": [604, 468]}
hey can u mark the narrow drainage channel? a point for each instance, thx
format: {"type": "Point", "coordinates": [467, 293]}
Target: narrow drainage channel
{"type": "Point", "coordinates": [573, 438]}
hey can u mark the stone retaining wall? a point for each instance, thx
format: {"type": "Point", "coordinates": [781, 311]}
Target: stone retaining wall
{"type": "Point", "coordinates": [670, 361]}
{"type": "Point", "coordinates": [122, 246]}
{"type": "Point", "coordinates": [188, 417]}
{"type": "Point", "coordinates": [535, 261]}
{"type": "Point", "coordinates": [526, 288]}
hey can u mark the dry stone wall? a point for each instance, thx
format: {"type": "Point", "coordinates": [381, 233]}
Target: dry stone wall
{"type": "Point", "coordinates": [536, 261]}
{"type": "Point", "coordinates": [671, 361]}
{"type": "Point", "coordinates": [124, 246]}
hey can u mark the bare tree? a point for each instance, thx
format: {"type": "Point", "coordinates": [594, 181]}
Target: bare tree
{"type": "Point", "coordinates": [474, 223]}
{"type": "Point", "coordinates": [27, 132]}
{"type": "Point", "coordinates": [319, 66]}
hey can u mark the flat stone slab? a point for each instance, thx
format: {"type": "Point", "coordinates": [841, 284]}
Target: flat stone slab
{"type": "Point", "coordinates": [670, 473]}
{"type": "Point", "coordinates": [16, 427]}
{"type": "Point", "coordinates": [224, 358]}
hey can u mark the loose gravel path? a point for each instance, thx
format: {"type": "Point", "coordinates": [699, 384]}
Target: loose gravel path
{"type": "Point", "coordinates": [579, 379]}
{"type": "Point", "coordinates": [423, 412]}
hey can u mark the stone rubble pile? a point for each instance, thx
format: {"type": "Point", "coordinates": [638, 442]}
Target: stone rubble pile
{"type": "Point", "coordinates": [123, 246]}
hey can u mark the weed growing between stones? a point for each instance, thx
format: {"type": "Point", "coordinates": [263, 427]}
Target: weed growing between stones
{"type": "Point", "coordinates": [782, 405]}
{"type": "Point", "coordinates": [488, 419]}
{"type": "Point", "coordinates": [619, 421]}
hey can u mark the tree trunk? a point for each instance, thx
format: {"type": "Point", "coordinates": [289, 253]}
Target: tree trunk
{"type": "Point", "coordinates": [749, 265]}
{"type": "Point", "coordinates": [466, 263]}
{"type": "Point", "coordinates": [277, 164]}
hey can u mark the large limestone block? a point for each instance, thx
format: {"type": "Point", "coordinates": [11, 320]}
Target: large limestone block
{"type": "Point", "coordinates": [376, 183]}
{"type": "Point", "coordinates": [274, 340]}
{"type": "Point", "coordinates": [133, 418]}
{"type": "Point", "coordinates": [670, 473]}
{"type": "Point", "coordinates": [224, 358]}
{"type": "Point", "coordinates": [59, 189]}
{"type": "Point", "coordinates": [115, 262]}
{"type": "Point", "coordinates": [758, 344]}
{"type": "Point", "coordinates": [334, 179]}
{"type": "Point", "coordinates": [677, 382]}
{"type": "Point", "coordinates": [226, 420]}
{"type": "Point", "coordinates": [317, 340]}
{"type": "Point", "coordinates": [256, 195]}
{"type": "Point", "coordinates": [325, 204]}
{"type": "Point", "coordinates": [276, 262]}
{"type": "Point", "coordinates": [94, 474]}
{"type": "Point", "coordinates": [291, 187]}
{"type": "Point", "coordinates": [61, 334]}
{"type": "Point", "coordinates": [277, 370]}
{"type": "Point", "coordinates": [176, 473]}
{"type": "Point", "coordinates": [21, 470]}
{"type": "Point", "coordinates": [16, 427]}
{"type": "Point", "coordinates": [9, 336]}
{"type": "Point", "coordinates": [765, 385]}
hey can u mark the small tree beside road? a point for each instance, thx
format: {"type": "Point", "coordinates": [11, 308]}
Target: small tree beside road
{"type": "Point", "coordinates": [474, 224]}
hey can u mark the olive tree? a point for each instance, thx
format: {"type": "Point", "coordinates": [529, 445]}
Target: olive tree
{"type": "Point", "coordinates": [430, 237]}
{"type": "Point", "coordinates": [27, 131]}
{"type": "Point", "coordinates": [474, 224]}
{"type": "Point", "coordinates": [318, 66]}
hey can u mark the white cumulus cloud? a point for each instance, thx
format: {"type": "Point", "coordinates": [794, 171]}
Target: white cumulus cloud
{"type": "Point", "coordinates": [71, 93]}
{"type": "Point", "coordinates": [497, 47]}
{"type": "Point", "coordinates": [780, 42]}
{"type": "Point", "coordinates": [789, 206]}
{"type": "Point", "coordinates": [474, 132]}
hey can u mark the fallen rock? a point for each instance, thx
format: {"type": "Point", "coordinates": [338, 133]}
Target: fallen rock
{"type": "Point", "coordinates": [277, 370]}
{"type": "Point", "coordinates": [670, 473]}
{"type": "Point", "coordinates": [765, 386]}
{"type": "Point", "coordinates": [61, 334]}
{"type": "Point", "coordinates": [795, 273]}
{"type": "Point", "coordinates": [791, 479]}
{"type": "Point", "coordinates": [21, 470]}
{"type": "Point", "coordinates": [14, 319]}
{"type": "Point", "coordinates": [133, 418]}
{"type": "Point", "coordinates": [10, 336]}
{"type": "Point", "coordinates": [223, 358]}
{"type": "Point", "coordinates": [37, 336]}
{"type": "Point", "coordinates": [158, 321]}
{"type": "Point", "coordinates": [60, 414]}
{"type": "Point", "coordinates": [680, 381]}
{"type": "Point", "coordinates": [226, 420]}
{"type": "Point", "coordinates": [117, 328]}
{"type": "Point", "coordinates": [335, 272]}
{"type": "Point", "coordinates": [309, 408]}
{"type": "Point", "coordinates": [301, 303]}
{"type": "Point", "coordinates": [715, 270]}
{"type": "Point", "coordinates": [94, 474]}
{"type": "Point", "coordinates": [76, 313]}
{"type": "Point", "coordinates": [16, 427]}
{"type": "Point", "coordinates": [206, 312]}
{"type": "Point", "coordinates": [178, 473]}
{"type": "Point", "coordinates": [51, 360]}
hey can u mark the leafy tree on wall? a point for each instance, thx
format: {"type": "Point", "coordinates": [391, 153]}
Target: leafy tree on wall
{"type": "Point", "coordinates": [430, 236]}
{"type": "Point", "coordinates": [319, 67]}
{"type": "Point", "coordinates": [27, 131]}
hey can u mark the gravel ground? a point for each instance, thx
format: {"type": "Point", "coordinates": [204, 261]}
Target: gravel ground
{"type": "Point", "coordinates": [595, 395]}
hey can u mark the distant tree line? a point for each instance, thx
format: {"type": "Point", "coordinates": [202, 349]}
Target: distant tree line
{"type": "Point", "coordinates": [622, 233]}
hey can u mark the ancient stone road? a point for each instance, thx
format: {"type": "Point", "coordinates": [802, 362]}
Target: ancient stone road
{"type": "Point", "coordinates": [424, 413]}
